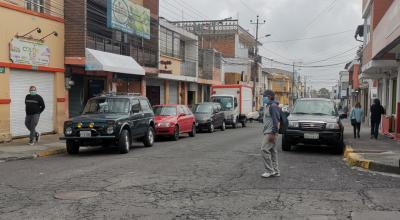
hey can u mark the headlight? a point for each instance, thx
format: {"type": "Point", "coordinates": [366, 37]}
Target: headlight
{"type": "Point", "coordinates": [68, 131]}
{"type": "Point", "coordinates": [332, 126]}
{"type": "Point", "coordinates": [110, 130]}
{"type": "Point", "coordinates": [293, 124]}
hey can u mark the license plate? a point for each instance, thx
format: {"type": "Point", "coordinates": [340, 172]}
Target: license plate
{"type": "Point", "coordinates": [86, 133]}
{"type": "Point", "coordinates": [311, 136]}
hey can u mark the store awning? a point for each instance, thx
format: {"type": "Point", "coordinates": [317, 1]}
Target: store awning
{"type": "Point", "coordinates": [110, 62]}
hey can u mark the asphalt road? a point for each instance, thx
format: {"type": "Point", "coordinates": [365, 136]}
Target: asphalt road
{"type": "Point", "coordinates": [211, 176]}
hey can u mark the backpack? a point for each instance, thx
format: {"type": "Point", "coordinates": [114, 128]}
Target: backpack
{"type": "Point", "coordinates": [283, 122]}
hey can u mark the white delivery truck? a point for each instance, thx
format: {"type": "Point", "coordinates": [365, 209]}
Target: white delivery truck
{"type": "Point", "coordinates": [236, 102]}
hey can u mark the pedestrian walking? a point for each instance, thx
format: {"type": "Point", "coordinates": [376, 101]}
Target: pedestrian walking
{"type": "Point", "coordinates": [377, 111]}
{"type": "Point", "coordinates": [271, 125]}
{"type": "Point", "coordinates": [34, 106]}
{"type": "Point", "coordinates": [356, 115]}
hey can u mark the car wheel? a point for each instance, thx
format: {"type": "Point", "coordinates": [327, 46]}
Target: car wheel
{"type": "Point", "coordinates": [193, 132]}
{"type": "Point", "coordinates": [175, 137]}
{"type": "Point", "coordinates": [211, 128]}
{"type": "Point", "coordinates": [286, 145]}
{"type": "Point", "coordinates": [149, 138]}
{"type": "Point", "coordinates": [124, 142]}
{"type": "Point", "coordinates": [244, 123]}
{"type": "Point", "coordinates": [235, 124]}
{"type": "Point", "coordinates": [72, 147]}
{"type": "Point", "coordinates": [339, 149]}
{"type": "Point", "coordinates": [223, 126]}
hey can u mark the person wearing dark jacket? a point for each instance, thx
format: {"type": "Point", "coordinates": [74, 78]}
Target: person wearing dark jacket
{"type": "Point", "coordinates": [271, 126]}
{"type": "Point", "coordinates": [377, 111]}
{"type": "Point", "coordinates": [34, 106]}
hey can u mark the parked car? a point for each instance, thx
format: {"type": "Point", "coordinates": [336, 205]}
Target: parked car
{"type": "Point", "coordinates": [209, 116]}
{"type": "Point", "coordinates": [173, 120]}
{"type": "Point", "coordinates": [111, 120]}
{"type": "Point", "coordinates": [314, 122]}
{"type": "Point", "coordinates": [253, 116]}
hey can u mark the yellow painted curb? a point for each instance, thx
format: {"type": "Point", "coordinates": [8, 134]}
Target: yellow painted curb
{"type": "Point", "coordinates": [50, 152]}
{"type": "Point", "coordinates": [348, 150]}
{"type": "Point", "coordinates": [355, 159]}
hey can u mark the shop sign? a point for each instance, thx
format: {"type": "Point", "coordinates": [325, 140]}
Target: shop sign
{"type": "Point", "coordinates": [131, 18]}
{"type": "Point", "coordinates": [23, 51]}
{"type": "Point", "coordinates": [374, 93]}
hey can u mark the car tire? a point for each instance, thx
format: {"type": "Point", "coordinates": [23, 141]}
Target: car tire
{"type": "Point", "coordinates": [339, 149]}
{"type": "Point", "coordinates": [244, 123]}
{"type": "Point", "coordinates": [286, 145]}
{"type": "Point", "coordinates": [124, 142]}
{"type": "Point", "coordinates": [223, 126]}
{"type": "Point", "coordinates": [175, 137]}
{"type": "Point", "coordinates": [72, 147]}
{"type": "Point", "coordinates": [148, 140]}
{"type": "Point", "coordinates": [211, 128]}
{"type": "Point", "coordinates": [193, 132]}
{"type": "Point", "coordinates": [235, 124]}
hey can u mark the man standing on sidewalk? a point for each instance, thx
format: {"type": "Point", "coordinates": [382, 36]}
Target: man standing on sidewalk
{"type": "Point", "coordinates": [271, 123]}
{"type": "Point", "coordinates": [34, 106]}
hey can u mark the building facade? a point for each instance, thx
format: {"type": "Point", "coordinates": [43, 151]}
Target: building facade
{"type": "Point", "coordinates": [108, 48]}
{"type": "Point", "coordinates": [380, 55]}
{"type": "Point", "coordinates": [31, 54]}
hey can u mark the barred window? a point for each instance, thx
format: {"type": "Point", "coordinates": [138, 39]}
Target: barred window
{"type": "Point", "coordinates": [35, 5]}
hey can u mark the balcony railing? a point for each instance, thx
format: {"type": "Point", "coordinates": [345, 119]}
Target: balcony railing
{"type": "Point", "coordinates": [54, 7]}
{"type": "Point", "coordinates": [188, 68]}
{"type": "Point", "coordinates": [144, 56]}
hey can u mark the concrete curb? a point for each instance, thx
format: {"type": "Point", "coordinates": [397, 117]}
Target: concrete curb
{"type": "Point", "coordinates": [353, 158]}
{"type": "Point", "coordinates": [44, 153]}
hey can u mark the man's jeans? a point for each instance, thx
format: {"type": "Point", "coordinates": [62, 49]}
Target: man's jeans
{"type": "Point", "coordinates": [270, 155]}
{"type": "Point", "coordinates": [31, 122]}
{"type": "Point", "coordinates": [375, 129]}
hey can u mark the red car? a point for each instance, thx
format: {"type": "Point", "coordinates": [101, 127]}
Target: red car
{"type": "Point", "coordinates": [173, 120]}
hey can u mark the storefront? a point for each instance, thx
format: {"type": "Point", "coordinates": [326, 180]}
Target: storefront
{"type": "Point", "coordinates": [103, 72]}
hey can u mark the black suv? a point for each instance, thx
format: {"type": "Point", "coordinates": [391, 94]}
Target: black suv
{"type": "Point", "coordinates": [209, 116]}
{"type": "Point", "coordinates": [314, 122]}
{"type": "Point", "coordinates": [111, 119]}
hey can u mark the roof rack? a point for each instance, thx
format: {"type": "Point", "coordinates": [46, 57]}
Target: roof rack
{"type": "Point", "coordinates": [120, 93]}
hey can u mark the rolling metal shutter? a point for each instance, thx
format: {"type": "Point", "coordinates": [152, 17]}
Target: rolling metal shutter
{"type": "Point", "coordinates": [173, 92]}
{"type": "Point", "coordinates": [20, 81]}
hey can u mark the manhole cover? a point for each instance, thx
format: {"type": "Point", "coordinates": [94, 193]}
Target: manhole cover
{"type": "Point", "coordinates": [75, 195]}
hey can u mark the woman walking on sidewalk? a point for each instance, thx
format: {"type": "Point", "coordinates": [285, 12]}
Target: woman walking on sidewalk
{"type": "Point", "coordinates": [356, 116]}
{"type": "Point", "coordinates": [377, 111]}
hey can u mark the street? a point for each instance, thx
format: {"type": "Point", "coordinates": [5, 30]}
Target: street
{"type": "Point", "coordinates": [211, 176]}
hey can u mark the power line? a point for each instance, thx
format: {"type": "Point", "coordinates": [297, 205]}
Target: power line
{"type": "Point", "coordinates": [305, 66]}
{"type": "Point", "coordinates": [319, 14]}
{"type": "Point", "coordinates": [308, 38]}
{"type": "Point", "coordinates": [184, 4]}
{"type": "Point", "coordinates": [337, 55]}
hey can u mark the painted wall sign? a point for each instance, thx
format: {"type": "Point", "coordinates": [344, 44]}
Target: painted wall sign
{"type": "Point", "coordinates": [126, 16]}
{"type": "Point", "coordinates": [28, 52]}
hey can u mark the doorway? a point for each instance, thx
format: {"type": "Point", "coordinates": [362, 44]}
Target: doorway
{"type": "Point", "coordinates": [153, 94]}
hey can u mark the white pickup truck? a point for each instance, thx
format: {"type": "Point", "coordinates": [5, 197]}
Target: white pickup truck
{"type": "Point", "coordinates": [236, 102]}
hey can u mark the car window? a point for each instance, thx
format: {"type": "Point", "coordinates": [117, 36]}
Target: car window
{"type": "Point", "coordinates": [136, 104]}
{"type": "Point", "coordinates": [165, 110]}
{"type": "Point", "coordinates": [107, 105]}
{"type": "Point", "coordinates": [144, 104]}
{"type": "Point", "coordinates": [203, 108]}
{"type": "Point", "coordinates": [181, 110]}
{"type": "Point", "coordinates": [187, 110]}
{"type": "Point", "coordinates": [314, 107]}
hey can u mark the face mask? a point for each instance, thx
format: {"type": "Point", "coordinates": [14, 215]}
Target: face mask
{"type": "Point", "coordinates": [32, 92]}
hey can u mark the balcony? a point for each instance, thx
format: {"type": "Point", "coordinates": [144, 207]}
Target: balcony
{"type": "Point", "coordinates": [144, 56]}
{"type": "Point", "coordinates": [188, 68]}
{"type": "Point", "coordinates": [53, 8]}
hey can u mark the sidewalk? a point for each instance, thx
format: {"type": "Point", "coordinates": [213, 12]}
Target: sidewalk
{"type": "Point", "coordinates": [19, 149]}
{"type": "Point", "coordinates": [382, 155]}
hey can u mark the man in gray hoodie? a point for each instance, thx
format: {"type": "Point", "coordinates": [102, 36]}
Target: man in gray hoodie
{"type": "Point", "coordinates": [271, 125]}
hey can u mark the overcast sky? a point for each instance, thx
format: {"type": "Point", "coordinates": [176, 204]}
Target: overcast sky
{"type": "Point", "coordinates": [333, 22]}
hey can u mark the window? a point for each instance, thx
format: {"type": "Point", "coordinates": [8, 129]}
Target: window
{"type": "Point", "coordinates": [187, 111]}
{"type": "Point", "coordinates": [170, 43]}
{"type": "Point", "coordinates": [165, 110]}
{"type": "Point", "coordinates": [145, 106]}
{"type": "Point", "coordinates": [182, 110]}
{"type": "Point", "coordinates": [367, 28]}
{"type": "Point", "coordinates": [96, 106]}
{"type": "Point", "coordinates": [35, 5]}
{"type": "Point", "coordinates": [135, 104]}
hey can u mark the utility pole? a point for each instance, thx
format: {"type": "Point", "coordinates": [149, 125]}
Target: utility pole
{"type": "Point", "coordinates": [255, 69]}
{"type": "Point", "coordinates": [293, 84]}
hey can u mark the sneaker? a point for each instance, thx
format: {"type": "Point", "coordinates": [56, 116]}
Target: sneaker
{"type": "Point", "coordinates": [276, 174]}
{"type": "Point", "coordinates": [266, 175]}
{"type": "Point", "coordinates": [31, 143]}
{"type": "Point", "coordinates": [37, 137]}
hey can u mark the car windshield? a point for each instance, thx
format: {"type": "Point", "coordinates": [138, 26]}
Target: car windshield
{"type": "Point", "coordinates": [225, 101]}
{"type": "Point", "coordinates": [107, 105]}
{"type": "Point", "coordinates": [314, 107]}
{"type": "Point", "coordinates": [165, 110]}
{"type": "Point", "coordinates": [205, 109]}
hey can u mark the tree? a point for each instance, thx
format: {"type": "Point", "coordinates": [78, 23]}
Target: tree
{"type": "Point", "coordinates": [324, 93]}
